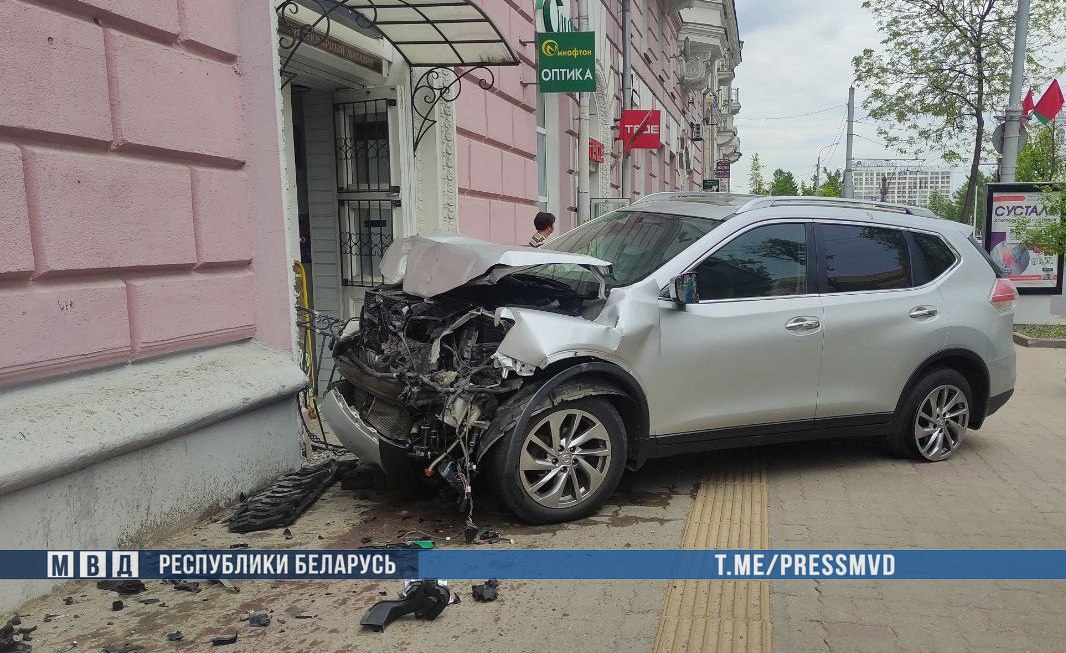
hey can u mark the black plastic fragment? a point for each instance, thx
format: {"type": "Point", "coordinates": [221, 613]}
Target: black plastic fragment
{"type": "Point", "coordinates": [174, 636]}
{"type": "Point", "coordinates": [425, 598]}
{"type": "Point", "coordinates": [487, 592]}
{"type": "Point", "coordinates": [259, 619]}
{"type": "Point", "coordinates": [285, 500]}
{"type": "Point", "coordinates": [470, 533]}
{"type": "Point", "coordinates": [68, 600]}
{"type": "Point", "coordinates": [13, 637]}
{"type": "Point", "coordinates": [187, 586]}
{"type": "Point", "coordinates": [121, 586]}
{"type": "Point", "coordinates": [117, 605]}
{"type": "Point", "coordinates": [224, 640]}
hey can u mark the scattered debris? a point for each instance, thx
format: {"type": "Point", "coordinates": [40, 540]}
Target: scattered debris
{"type": "Point", "coordinates": [487, 592]}
{"type": "Point", "coordinates": [49, 617]}
{"type": "Point", "coordinates": [117, 605]}
{"type": "Point", "coordinates": [224, 640]}
{"type": "Point", "coordinates": [356, 476]}
{"type": "Point", "coordinates": [239, 545]}
{"type": "Point", "coordinates": [259, 619]}
{"type": "Point", "coordinates": [366, 539]}
{"type": "Point", "coordinates": [425, 598]}
{"type": "Point", "coordinates": [470, 532]}
{"type": "Point", "coordinates": [123, 648]}
{"type": "Point", "coordinates": [174, 636]}
{"type": "Point", "coordinates": [228, 585]}
{"type": "Point", "coordinates": [13, 637]}
{"type": "Point", "coordinates": [187, 586]}
{"type": "Point", "coordinates": [149, 601]}
{"type": "Point", "coordinates": [68, 600]}
{"type": "Point", "coordinates": [285, 500]}
{"type": "Point", "coordinates": [122, 586]}
{"type": "Point", "coordinates": [489, 537]}
{"type": "Point", "coordinates": [287, 533]}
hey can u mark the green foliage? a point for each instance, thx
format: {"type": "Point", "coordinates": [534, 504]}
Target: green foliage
{"type": "Point", "coordinates": [1047, 236]}
{"type": "Point", "coordinates": [943, 66]}
{"type": "Point", "coordinates": [952, 208]}
{"type": "Point", "coordinates": [784, 183]}
{"type": "Point", "coordinates": [943, 207]}
{"type": "Point", "coordinates": [756, 182]}
{"type": "Point", "coordinates": [832, 183]}
{"type": "Point", "coordinates": [1041, 159]}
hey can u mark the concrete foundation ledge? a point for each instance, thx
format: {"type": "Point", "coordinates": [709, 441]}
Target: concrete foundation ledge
{"type": "Point", "coordinates": [110, 459]}
{"type": "Point", "coordinates": [53, 428]}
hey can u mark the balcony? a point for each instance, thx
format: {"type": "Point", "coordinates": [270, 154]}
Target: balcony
{"type": "Point", "coordinates": [678, 5]}
{"type": "Point", "coordinates": [695, 71]}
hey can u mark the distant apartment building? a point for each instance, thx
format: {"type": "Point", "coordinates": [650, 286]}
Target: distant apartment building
{"type": "Point", "coordinates": [901, 182]}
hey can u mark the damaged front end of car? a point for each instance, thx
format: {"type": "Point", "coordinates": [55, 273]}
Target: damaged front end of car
{"type": "Point", "coordinates": [423, 380]}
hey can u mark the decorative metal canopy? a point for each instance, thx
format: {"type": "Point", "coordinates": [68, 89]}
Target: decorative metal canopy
{"type": "Point", "coordinates": [450, 38]}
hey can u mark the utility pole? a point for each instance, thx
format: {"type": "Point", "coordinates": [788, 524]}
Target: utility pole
{"type": "Point", "coordinates": [1012, 129]}
{"type": "Point", "coordinates": [849, 163]}
{"type": "Point", "coordinates": [627, 98]}
{"type": "Point", "coordinates": [584, 197]}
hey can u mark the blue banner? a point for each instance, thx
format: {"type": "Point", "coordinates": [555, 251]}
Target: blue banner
{"type": "Point", "coordinates": [458, 564]}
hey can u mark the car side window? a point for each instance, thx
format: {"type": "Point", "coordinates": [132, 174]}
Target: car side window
{"type": "Point", "coordinates": [935, 254]}
{"type": "Point", "coordinates": [768, 261]}
{"type": "Point", "coordinates": [859, 258]}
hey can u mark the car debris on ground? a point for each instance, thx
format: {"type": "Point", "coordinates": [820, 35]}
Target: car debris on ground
{"type": "Point", "coordinates": [285, 499]}
{"type": "Point", "coordinates": [128, 586]}
{"type": "Point", "coordinates": [426, 599]}
{"type": "Point", "coordinates": [174, 636]}
{"type": "Point", "coordinates": [224, 640]}
{"type": "Point", "coordinates": [14, 636]}
{"type": "Point", "coordinates": [489, 591]}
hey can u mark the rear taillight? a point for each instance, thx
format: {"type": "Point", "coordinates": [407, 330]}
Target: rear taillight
{"type": "Point", "coordinates": [1004, 296]}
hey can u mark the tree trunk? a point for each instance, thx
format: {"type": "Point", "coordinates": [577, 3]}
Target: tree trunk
{"type": "Point", "coordinates": [966, 217]}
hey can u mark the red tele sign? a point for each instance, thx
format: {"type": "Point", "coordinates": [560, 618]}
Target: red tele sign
{"type": "Point", "coordinates": [597, 151]}
{"type": "Point", "coordinates": [641, 129]}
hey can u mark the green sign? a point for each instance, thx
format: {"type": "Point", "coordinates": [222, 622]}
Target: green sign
{"type": "Point", "coordinates": [711, 185]}
{"type": "Point", "coordinates": [566, 62]}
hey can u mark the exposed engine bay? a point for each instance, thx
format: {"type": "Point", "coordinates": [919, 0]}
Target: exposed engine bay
{"type": "Point", "coordinates": [424, 372]}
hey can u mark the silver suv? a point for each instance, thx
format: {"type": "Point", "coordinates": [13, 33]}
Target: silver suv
{"type": "Point", "coordinates": [682, 323]}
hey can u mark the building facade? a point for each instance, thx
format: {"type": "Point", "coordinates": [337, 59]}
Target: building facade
{"type": "Point", "coordinates": [900, 182]}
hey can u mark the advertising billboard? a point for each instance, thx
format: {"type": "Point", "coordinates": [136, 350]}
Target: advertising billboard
{"type": "Point", "coordinates": [1032, 271]}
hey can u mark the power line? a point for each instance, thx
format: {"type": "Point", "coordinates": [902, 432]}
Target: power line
{"type": "Point", "coordinates": [798, 115]}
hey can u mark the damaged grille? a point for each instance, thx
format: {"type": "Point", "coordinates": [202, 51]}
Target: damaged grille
{"type": "Point", "coordinates": [388, 418]}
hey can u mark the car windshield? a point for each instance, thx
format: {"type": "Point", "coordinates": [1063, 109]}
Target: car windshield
{"type": "Point", "coordinates": [635, 242]}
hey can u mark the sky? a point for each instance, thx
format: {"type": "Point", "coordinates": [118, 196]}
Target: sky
{"type": "Point", "coordinates": [797, 60]}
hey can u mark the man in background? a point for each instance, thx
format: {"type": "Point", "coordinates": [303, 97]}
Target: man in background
{"type": "Point", "coordinates": [544, 224]}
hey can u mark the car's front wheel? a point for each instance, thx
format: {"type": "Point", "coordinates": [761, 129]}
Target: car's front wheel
{"type": "Point", "coordinates": [935, 417]}
{"type": "Point", "coordinates": [565, 465]}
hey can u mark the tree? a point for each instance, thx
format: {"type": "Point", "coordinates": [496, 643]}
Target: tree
{"type": "Point", "coordinates": [806, 189]}
{"type": "Point", "coordinates": [784, 183]}
{"type": "Point", "coordinates": [756, 182]}
{"type": "Point", "coordinates": [943, 207]}
{"type": "Point", "coordinates": [1042, 158]}
{"type": "Point", "coordinates": [944, 66]}
{"type": "Point", "coordinates": [833, 186]}
{"type": "Point", "coordinates": [953, 208]}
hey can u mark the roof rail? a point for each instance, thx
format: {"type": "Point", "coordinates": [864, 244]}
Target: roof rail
{"type": "Point", "coordinates": [692, 196]}
{"type": "Point", "coordinates": [840, 202]}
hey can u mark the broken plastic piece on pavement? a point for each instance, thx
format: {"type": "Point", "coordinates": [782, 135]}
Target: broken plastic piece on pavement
{"type": "Point", "coordinates": [227, 584]}
{"type": "Point", "coordinates": [187, 586]}
{"type": "Point", "coordinates": [174, 636]}
{"type": "Point", "coordinates": [123, 648]}
{"type": "Point", "coordinates": [487, 592]}
{"type": "Point", "coordinates": [425, 598]}
{"type": "Point", "coordinates": [13, 636]}
{"type": "Point", "coordinates": [68, 600]}
{"type": "Point", "coordinates": [239, 545]}
{"type": "Point", "coordinates": [149, 601]}
{"type": "Point", "coordinates": [470, 532]}
{"type": "Point", "coordinates": [122, 586]}
{"type": "Point", "coordinates": [259, 619]}
{"type": "Point", "coordinates": [224, 640]}
{"type": "Point", "coordinates": [287, 533]}
{"type": "Point", "coordinates": [285, 500]}
{"type": "Point", "coordinates": [117, 605]}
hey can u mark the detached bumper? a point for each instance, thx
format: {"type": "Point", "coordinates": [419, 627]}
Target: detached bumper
{"type": "Point", "coordinates": [356, 435]}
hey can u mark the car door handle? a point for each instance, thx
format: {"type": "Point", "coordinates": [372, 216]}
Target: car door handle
{"type": "Point", "coordinates": [922, 312]}
{"type": "Point", "coordinates": [803, 324]}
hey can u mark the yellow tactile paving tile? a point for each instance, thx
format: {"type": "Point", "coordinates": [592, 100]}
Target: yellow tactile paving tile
{"type": "Point", "coordinates": [729, 512]}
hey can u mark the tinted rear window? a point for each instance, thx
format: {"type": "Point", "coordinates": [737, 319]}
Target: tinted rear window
{"type": "Point", "coordinates": [935, 254]}
{"type": "Point", "coordinates": [861, 258]}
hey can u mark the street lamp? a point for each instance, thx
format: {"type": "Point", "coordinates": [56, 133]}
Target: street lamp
{"type": "Point", "coordinates": [818, 166]}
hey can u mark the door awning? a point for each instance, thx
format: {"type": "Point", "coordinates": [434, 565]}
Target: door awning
{"type": "Point", "coordinates": [430, 33]}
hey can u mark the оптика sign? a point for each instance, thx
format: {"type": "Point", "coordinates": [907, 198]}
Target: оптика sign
{"type": "Point", "coordinates": [566, 62]}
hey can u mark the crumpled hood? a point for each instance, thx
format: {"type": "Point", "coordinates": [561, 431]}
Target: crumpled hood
{"type": "Point", "coordinates": [431, 265]}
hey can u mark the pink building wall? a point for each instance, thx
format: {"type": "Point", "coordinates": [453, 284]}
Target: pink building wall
{"type": "Point", "coordinates": [141, 210]}
{"type": "Point", "coordinates": [497, 135]}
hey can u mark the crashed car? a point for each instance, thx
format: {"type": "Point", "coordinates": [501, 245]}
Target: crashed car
{"type": "Point", "coordinates": [678, 324]}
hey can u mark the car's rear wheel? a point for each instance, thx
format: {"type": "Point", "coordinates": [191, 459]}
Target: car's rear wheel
{"type": "Point", "coordinates": [935, 417]}
{"type": "Point", "coordinates": [566, 463]}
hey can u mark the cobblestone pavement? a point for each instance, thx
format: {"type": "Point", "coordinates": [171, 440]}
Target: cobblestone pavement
{"type": "Point", "coordinates": [1005, 489]}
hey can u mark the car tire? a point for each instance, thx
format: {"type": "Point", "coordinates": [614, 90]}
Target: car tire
{"type": "Point", "coordinates": [537, 480]}
{"type": "Point", "coordinates": [934, 417]}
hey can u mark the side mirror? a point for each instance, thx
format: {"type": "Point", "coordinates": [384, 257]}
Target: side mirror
{"type": "Point", "coordinates": [684, 289]}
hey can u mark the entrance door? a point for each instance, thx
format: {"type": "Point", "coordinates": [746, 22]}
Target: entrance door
{"type": "Point", "coordinates": [367, 190]}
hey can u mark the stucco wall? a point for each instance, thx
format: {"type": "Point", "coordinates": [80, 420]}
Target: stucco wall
{"type": "Point", "coordinates": [497, 128]}
{"type": "Point", "coordinates": [131, 223]}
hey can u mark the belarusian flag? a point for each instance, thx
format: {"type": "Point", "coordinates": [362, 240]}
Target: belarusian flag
{"type": "Point", "coordinates": [1050, 104]}
{"type": "Point", "coordinates": [1028, 104]}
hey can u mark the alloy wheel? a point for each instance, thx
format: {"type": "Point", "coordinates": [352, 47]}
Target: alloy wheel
{"type": "Point", "coordinates": [941, 422]}
{"type": "Point", "coordinates": [564, 458]}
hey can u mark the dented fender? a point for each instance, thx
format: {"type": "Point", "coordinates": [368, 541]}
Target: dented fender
{"type": "Point", "coordinates": [577, 382]}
